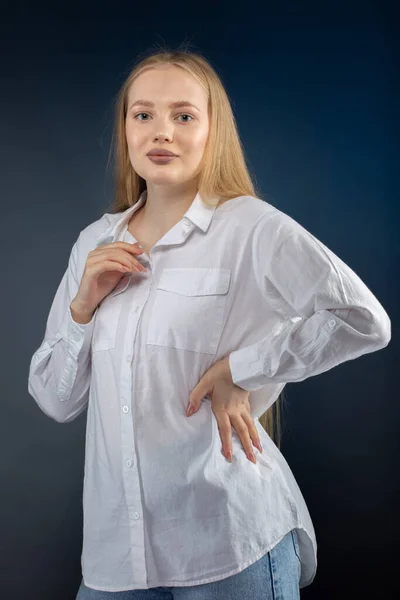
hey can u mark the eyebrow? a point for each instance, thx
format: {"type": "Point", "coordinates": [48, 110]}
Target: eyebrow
{"type": "Point", "coordinates": [178, 104]}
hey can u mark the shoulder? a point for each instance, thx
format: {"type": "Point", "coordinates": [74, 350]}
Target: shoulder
{"type": "Point", "coordinates": [251, 213]}
{"type": "Point", "coordinates": [266, 228]}
{"type": "Point", "coordinates": [96, 228]}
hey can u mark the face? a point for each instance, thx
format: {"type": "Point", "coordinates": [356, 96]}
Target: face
{"type": "Point", "coordinates": [182, 130]}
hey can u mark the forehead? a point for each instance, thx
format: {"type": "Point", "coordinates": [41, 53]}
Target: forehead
{"type": "Point", "coordinates": [164, 85]}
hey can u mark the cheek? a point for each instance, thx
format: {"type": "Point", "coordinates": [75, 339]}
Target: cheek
{"type": "Point", "coordinates": [130, 136]}
{"type": "Point", "coordinates": [198, 141]}
{"type": "Point", "coordinates": [202, 139]}
{"type": "Point", "coordinates": [133, 136]}
{"type": "Point", "coordinates": [201, 147]}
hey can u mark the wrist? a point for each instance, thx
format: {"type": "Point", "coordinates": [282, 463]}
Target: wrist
{"type": "Point", "coordinates": [80, 313]}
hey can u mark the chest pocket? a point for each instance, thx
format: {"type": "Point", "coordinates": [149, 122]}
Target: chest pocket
{"type": "Point", "coordinates": [107, 318]}
{"type": "Point", "coordinates": [189, 307]}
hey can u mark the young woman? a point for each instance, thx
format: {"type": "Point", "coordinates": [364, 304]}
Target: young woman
{"type": "Point", "coordinates": [192, 290]}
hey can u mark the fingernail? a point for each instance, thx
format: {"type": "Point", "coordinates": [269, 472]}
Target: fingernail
{"type": "Point", "coordinates": [229, 457]}
{"type": "Point", "coordinates": [190, 410]}
{"type": "Point", "coordinates": [251, 457]}
{"type": "Point", "coordinates": [259, 447]}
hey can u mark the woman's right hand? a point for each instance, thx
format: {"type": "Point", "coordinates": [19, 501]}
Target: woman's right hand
{"type": "Point", "coordinates": [105, 266]}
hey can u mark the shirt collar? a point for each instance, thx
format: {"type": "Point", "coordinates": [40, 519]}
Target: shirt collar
{"type": "Point", "coordinates": [198, 213]}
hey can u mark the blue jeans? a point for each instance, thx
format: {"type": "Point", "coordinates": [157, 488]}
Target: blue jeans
{"type": "Point", "coordinates": [275, 576]}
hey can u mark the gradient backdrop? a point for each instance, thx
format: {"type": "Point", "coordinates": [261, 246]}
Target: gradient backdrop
{"type": "Point", "coordinates": [313, 90]}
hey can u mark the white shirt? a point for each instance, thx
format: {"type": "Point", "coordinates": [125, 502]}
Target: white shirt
{"type": "Point", "coordinates": [162, 506]}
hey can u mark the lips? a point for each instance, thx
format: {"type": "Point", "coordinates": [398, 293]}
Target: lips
{"type": "Point", "coordinates": [161, 159]}
{"type": "Point", "coordinates": [160, 153]}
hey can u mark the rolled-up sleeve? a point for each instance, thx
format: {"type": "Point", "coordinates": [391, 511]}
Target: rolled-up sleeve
{"type": "Point", "coordinates": [332, 316]}
{"type": "Point", "coordinates": [60, 369]}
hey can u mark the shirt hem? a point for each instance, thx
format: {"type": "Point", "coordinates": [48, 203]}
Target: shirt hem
{"type": "Point", "coordinates": [212, 578]}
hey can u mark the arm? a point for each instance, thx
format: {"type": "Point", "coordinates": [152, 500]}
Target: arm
{"type": "Point", "coordinates": [332, 315]}
{"type": "Point", "coordinates": [60, 369]}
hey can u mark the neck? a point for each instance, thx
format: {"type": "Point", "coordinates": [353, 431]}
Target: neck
{"type": "Point", "coordinates": [166, 205]}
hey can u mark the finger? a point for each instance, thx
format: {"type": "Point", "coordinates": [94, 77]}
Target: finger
{"type": "Point", "coordinates": [253, 433]}
{"type": "Point", "coordinates": [242, 430]}
{"type": "Point", "coordinates": [121, 263]}
{"type": "Point", "coordinates": [225, 432]}
{"type": "Point", "coordinates": [133, 262]}
{"type": "Point", "coordinates": [133, 248]}
{"type": "Point", "coordinates": [117, 254]}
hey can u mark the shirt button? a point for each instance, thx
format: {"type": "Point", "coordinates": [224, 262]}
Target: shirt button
{"type": "Point", "coordinates": [125, 409]}
{"type": "Point", "coordinates": [128, 463]}
{"type": "Point", "coordinates": [136, 516]}
{"type": "Point", "coordinates": [332, 323]}
{"type": "Point", "coordinates": [129, 358]}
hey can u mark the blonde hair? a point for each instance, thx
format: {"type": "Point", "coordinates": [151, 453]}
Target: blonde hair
{"type": "Point", "coordinates": [223, 173]}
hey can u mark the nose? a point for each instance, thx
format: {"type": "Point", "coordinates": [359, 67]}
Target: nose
{"type": "Point", "coordinates": [162, 136]}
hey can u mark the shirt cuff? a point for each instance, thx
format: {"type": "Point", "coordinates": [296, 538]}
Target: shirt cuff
{"type": "Point", "coordinates": [77, 336]}
{"type": "Point", "coordinates": [247, 368]}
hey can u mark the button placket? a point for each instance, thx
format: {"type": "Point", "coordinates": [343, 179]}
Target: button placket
{"type": "Point", "coordinates": [129, 460]}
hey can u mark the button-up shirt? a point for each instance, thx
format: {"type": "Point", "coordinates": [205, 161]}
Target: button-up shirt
{"type": "Point", "coordinates": [161, 505]}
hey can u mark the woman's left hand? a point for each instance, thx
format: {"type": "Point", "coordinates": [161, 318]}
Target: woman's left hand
{"type": "Point", "coordinates": [230, 405]}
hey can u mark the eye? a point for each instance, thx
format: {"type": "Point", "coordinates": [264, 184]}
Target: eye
{"type": "Point", "coordinates": [180, 115]}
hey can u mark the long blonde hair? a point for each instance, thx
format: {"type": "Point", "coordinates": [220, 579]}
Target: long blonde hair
{"type": "Point", "coordinates": [223, 174]}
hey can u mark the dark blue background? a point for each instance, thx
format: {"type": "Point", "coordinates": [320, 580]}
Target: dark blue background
{"type": "Point", "coordinates": [313, 92]}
